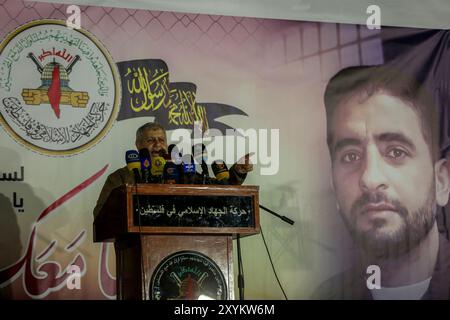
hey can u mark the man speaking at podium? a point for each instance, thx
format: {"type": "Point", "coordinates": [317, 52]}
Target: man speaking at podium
{"type": "Point", "coordinates": [152, 136]}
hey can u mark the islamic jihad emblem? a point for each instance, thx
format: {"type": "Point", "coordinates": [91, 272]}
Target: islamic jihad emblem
{"type": "Point", "coordinates": [187, 275]}
{"type": "Point", "coordinates": [55, 84]}
{"type": "Point", "coordinates": [70, 102]}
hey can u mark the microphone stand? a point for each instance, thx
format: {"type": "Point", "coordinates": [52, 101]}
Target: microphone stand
{"type": "Point", "coordinates": [205, 174]}
{"type": "Point", "coordinates": [284, 218]}
{"type": "Point", "coordinates": [241, 284]}
{"type": "Point", "coordinates": [240, 271]}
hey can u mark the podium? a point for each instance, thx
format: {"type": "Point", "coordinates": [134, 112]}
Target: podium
{"type": "Point", "coordinates": [175, 241]}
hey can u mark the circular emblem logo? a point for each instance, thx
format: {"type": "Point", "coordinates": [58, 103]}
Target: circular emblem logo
{"type": "Point", "coordinates": [59, 88]}
{"type": "Point", "coordinates": [187, 275]}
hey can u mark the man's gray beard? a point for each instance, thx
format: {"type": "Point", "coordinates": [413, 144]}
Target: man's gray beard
{"type": "Point", "coordinates": [415, 227]}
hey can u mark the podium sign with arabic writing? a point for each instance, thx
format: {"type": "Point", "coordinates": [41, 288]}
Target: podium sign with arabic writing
{"type": "Point", "coordinates": [178, 208]}
{"type": "Point", "coordinates": [193, 211]}
{"type": "Point", "coordinates": [172, 208]}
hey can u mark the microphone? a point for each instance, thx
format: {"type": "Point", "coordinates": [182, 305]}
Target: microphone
{"type": "Point", "coordinates": [133, 164]}
{"type": "Point", "coordinates": [201, 156]}
{"type": "Point", "coordinates": [146, 164]}
{"type": "Point", "coordinates": [188, 169]}
{"type": "Point", "coordinates": [221, 172]}
{"type": "Point", "coordinates": [157, 169]}
{"type": "Point", "coordinates": [170, 173]}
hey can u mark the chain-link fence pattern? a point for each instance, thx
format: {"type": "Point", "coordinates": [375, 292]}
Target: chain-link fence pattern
{"type": "Point", "coordinates": [313, 47]}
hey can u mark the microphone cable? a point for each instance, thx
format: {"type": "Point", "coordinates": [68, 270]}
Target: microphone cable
{"type": "Point", "coordinates": [273, 268]}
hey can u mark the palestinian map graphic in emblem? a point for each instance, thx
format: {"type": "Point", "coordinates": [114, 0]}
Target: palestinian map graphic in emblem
{"type": "Point", "coordinates": [187, 275]}
{"type": "Point", "coordinates": [59, 88]}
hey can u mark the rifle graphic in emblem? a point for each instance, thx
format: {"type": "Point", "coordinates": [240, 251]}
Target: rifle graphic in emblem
{"type": "Point", "coordinates": [36, 62]}
{"type": "Point", "coordinates": [76, 99]}
{"type": "Point", "coordinates": [189, 288]}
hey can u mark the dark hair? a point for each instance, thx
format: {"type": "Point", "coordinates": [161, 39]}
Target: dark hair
{"type": "Point", "coordinates": [148, 126]}
{"type": "Point", "coordinates": [369, 80]}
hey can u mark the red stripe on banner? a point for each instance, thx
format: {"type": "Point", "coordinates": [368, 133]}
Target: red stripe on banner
{"type": "Point", "coordinates": [72, 193]}
{"type": "Point", "coordinates": [11, 271]}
